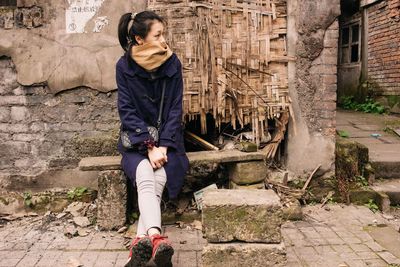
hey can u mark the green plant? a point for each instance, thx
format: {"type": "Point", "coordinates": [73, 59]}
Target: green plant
{"type": "Point", "coordinates": [361, 181]}
{"type": "Point", "coordinates": [372, 205]}
{"type": "Point", "coordinates": [27, 199]}
{"type": "Point", "coordinates": [343, 133]}
{"type": "Point", "coordinates": [369, 105]}
{"type": "Point", "coordinates": [331, 200]}
{"type": "Point", "coordinates": [134, 216]}
{"type": "Point", "coordinates": [348, 102]}
{"type": "Point", "coordinates": [76, 193]}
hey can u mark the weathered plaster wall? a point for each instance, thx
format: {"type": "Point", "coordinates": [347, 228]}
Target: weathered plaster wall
{"type": "Point", "coordinates": [57, 93]}
{"type": "Point", "coordinates": [41, 132]}
{"type": "Point", "coordinates": [46, 53]}
{"type": "Point", "coordinates": [312, 39]}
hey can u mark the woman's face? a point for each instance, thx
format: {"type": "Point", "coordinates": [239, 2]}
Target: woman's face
{"type": "Point", "coordinates": [156, 33]}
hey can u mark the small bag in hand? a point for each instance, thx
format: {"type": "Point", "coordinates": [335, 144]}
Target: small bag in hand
{"type": "Point", "coordinates": [153, 131]}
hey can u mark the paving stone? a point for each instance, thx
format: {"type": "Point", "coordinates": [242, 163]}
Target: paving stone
{"type": "Point", "coordinates": [122, 258]}
{"type": "Point", "coordinates": [342, 248]}
{"type": "Point", "coordinates": [366, 255]}
{"type": "Point", "coordinates": [9, 262]}
{"type": "Point", "coordinates": [88, 258]}
{"type": "Point", "coordinates": [389, 257]}
{"type": "Point", "coordinates": [307, 253]}
{"type": "Point", "coordinates": [29, 261]}
{"type": "Point", "coordinates": [352, 240]}
{"type": "Point", "coordinates": [106, 258]}
{"type": "Point", "coordinates": [355, 263]}
{"type": "Point", "coordinates": [360, 247]}
{"type": "Point", "coordinates": [324, 250]}
{"type": "Point", "coordinates": [375, 246]}
{"type": "Point", "coordinates": [186, 259]}
{"type": "Point", "coordinates": [243, 254]}
{"type": "Point", "coordinates": [350, 256]}
{"type": "Point", "coordinates": [375, 263]}
{"type": "Point", "coordinates": [239, 214]}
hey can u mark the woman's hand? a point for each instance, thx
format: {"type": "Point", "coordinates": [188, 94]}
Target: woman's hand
{"type": "Point", "coordinates": [157, 156]}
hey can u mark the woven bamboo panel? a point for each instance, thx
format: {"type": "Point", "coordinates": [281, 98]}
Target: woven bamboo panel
{"type": "Point", "coordinates": [234, 58]}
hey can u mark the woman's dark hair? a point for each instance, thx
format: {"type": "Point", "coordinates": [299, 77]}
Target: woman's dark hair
{"type": "Point", "coordinates": [141, 26]}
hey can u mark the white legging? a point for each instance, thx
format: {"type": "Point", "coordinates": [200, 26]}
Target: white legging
{"type": "Point", "coordinates": [150, 185]}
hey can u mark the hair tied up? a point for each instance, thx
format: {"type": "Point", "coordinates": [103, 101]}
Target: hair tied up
{"type": "Point", "coordinates": [133, 24]}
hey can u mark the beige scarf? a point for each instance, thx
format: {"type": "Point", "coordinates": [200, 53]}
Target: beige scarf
{"type": "Point", "coordinates": [151, 55]}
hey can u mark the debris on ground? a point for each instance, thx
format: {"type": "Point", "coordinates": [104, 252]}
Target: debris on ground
{"type": "Point", "coordinates": [122, 229]}
{"type": "Point", "coordinates": [81, 221]}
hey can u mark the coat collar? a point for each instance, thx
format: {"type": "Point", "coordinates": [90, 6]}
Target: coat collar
{"type": "Point", "coordinates": [168, 68]}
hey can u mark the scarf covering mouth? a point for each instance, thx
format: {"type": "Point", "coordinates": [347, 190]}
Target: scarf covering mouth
{"type": "Point", "coordinates": [151, 55]}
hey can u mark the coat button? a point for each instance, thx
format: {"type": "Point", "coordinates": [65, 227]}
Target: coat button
{"type": "Point", "coordinates": [138, 130]}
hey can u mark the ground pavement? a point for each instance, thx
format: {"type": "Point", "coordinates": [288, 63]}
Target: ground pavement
{"type": "Point", "coordinates": [335, 235]}
{"type": "Point", "coordinates": [372, 131]}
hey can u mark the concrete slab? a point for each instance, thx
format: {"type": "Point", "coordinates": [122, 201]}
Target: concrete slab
{"type": "Point", "coordinates": [386, 169]}
{"type": "Point", "coordinates": [114, 162]}
{"type": "Point", "coordinates": [242, 215]}
{"type": "Point", "coordinates": [388, 237]}
{"type": "Point", "coordinates": [391, 188]}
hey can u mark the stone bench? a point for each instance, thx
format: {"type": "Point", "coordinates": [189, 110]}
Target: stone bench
{"type": "Point", "coordinates": [112, 183]}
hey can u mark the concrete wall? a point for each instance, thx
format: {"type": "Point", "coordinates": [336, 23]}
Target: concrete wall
{"type": "Point", "coordinates": [312, 39]}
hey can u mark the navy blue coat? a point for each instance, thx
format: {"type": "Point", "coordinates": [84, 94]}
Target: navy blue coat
{"type": "Point", "coordinates": [138, 106]}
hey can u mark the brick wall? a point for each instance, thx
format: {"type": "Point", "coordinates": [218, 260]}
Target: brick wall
{"type": "Point", "coordinates": [384, 46]}
{"type": "Point", "coordinates": [41, 131]}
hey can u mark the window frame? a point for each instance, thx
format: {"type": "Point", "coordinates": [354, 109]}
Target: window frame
{"type": "Point", "coordinates": [349, 25]}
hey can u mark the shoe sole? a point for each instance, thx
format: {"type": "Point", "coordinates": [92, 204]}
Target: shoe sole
{"type": "Point", "coordinates": [141, 254]}
{"type": "Point", "coordinates": [163, 255]}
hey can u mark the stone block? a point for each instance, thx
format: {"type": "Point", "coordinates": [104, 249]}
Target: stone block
{"type": "Point", "coordinates": [351, 158]}
{"type": "Point", "coordinates": [4, 114]}
{"type": "Point", "coordinates": [242, 214]}
{"type": "Point", "coordinates": [249, 172]}
{"type": "Point", "coordinates": [244, 254]}
{"type": "Point", "coordinates": [12, 100]}
{"type": "Point", "coordinates": [19, 113]}
{"type": "Point", "coordinates": [111, 200]}
{"type": "Point", "coordinates": [292, 211]}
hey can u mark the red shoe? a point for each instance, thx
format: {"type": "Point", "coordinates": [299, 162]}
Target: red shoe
{"type": "Point", "coordinates": [162, 250]}
{"type": "Point", "coordinates": [140, 252]}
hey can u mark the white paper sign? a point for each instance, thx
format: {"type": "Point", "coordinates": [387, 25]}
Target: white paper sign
{"type": "Point", "coordinates": [78, 14]}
